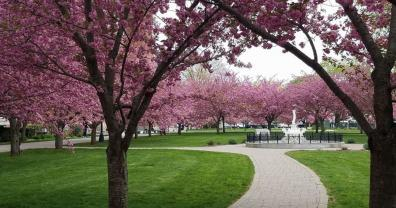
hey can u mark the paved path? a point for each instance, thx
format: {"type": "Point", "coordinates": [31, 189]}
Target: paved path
{"type": "Point", "coordinates": [279, 180]}
{"type": "Point", "coordinates": [40, 145]}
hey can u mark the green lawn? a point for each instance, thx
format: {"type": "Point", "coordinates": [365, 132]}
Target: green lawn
{"type": "Point", "coordinates": [157, 178]}
{"type": "Point", "coordinates": [184, 140]}
{"type": "Point", "coordinates": [344, 173]}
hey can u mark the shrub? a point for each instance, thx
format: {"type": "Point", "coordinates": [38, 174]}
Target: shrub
{"type": "Point", "coordinates": [218, 143]}
{"type": "Point", "coordinates": [232, 141]}
{"type": "Point", "coordinates": [77, 131]}
{"type": "Point", "coordinates": [243, 141]}
{"type": "Point", "coordinates": [210, 143]}
{"type": "Point", "coordinates": [42, 137]}
{"type": "Point", "coordinates": [350, 141]}
{"type": "Point", "coordinates": [36, 137]}
{"type": "Point", "coordinates": [366, 147]}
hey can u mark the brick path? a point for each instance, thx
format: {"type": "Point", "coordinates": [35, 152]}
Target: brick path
{"type": "Point", "coordinates": [279, 180]}
{"type": "Point", "coordinates": [40, 145]}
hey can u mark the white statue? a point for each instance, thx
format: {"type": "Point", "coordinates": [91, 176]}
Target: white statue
{"type": "Point", "coordinates": [294, 134]}
{"type": "Point", "coordinates": [294, 117]}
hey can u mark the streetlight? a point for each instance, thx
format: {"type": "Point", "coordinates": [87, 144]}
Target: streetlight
{"type": "Point", "coordinates": [101, 136]}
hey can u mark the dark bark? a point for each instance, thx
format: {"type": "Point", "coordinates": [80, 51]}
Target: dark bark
{"type": "Point", "coordinates": [59, 134]}
{"type": "Point", "coordinates": [117, 172]}
{"type": "Point", "coordinates": [179, 128]}
{"type": "Point", "coordinates": [321, 122]}
{"type": "Point", "coordinates": [14, 137]}
{"type": "Point", "coordinates": [269, 123]}
{"type": "Point", "coordinates": [383, 171]}
{"type": "Point", "coordinates": [150, 127]}
{"type": "Point", "coordinates": [316, 125]}
{"type": "Point", "coordinates": [58, 141]}
{"type": "Point", "coordinates": [94, 127]}
{"type": "Point", "coordinates": [218, 125]}
{"type": "Point", "coordinates": [337, 119]}
{"type": "Point", "coordinates": [23, 132]}
{"type": "Point", "coordinates": [85, 130]}
{"type": "Point", "coordinates": [223, 121]}
{"type": "Point", "coordinates": [136, 134]}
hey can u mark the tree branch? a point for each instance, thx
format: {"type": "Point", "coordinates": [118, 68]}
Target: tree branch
{"type": "Point", "coordinates": [390, 56]}
{"type": "Point", "coordinates": [364, 33]}
{"type": "Point", "coordinates": [346, 100]}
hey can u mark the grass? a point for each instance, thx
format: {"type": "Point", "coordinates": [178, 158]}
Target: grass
{"type": "Point", "coordinates": [184, 140]}
{"type": "Point", "coordinates": [201, 137]}
{"type": "Point", "coordinates": [157, 178]}
{"type": "Point", "coordinates": [345, 174]}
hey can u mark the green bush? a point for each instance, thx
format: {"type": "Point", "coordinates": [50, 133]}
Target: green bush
{"type": "Point", "coordinates": [366, 147]}
{"type": "Point", "coordinates": [36, 137]}
{"type": "Point", "coordinates": [243, 141]}
{"type": "Point", "coordinates": [42, 137]}
{"type": "Point", "coordinates": [350, 141]}
{"type": "Point", "coordinates": [77, 131]}
{"type": "Point", "coordinates": [210, 143]}
{"type": "Point", "coordinates": [232, 141]}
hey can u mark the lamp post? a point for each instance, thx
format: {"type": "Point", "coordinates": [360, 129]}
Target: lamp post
{"type": "Point", "coordinates": [101, 136]}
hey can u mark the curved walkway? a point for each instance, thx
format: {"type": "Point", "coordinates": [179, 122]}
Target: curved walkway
{"type": "Point", "coordinates": [279, 181]}
{"type": "Point", "coordinates": [40, 145]}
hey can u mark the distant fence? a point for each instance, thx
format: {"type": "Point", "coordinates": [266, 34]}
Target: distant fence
{"type": "Point", "coordinates": [308, 137]}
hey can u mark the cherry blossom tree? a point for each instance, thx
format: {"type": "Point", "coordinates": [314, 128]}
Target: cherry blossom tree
{"type": "Point", "coordinates": [313, 99]}
{"type": "Point", "coordinates": [361, 29]}
{"type": "Point", "coordinates": [123, 49]}
{"type": "Point", "coordinates": [268, 100]}
{"type": "Point", "coordinates": [215, 98]}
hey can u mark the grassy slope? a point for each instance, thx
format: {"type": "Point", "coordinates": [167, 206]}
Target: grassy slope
{"type": "Point", "coordinates": [344, 173]}
{"type": "Point", "coordinates": [157, 178]}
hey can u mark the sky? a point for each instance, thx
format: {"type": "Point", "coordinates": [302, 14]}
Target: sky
{"type": "Point", "coordinates": [274, 64]}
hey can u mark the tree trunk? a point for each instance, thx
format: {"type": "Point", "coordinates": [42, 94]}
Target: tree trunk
{"type": "Point", "coordinates": [316, 125]}
{"type": "Point", "coordinates": [269, 123]}
{"type": "Point", "coordinates": [222, 118]}
{"type": "Point", "coordinates": [14, 137]}
{"type": "Point", "coordinates": [322, 128]}
{"type": "Point", "coordinates": [94, 127]}
{"type": "Point", "coordinates": [58, 141]}
{"type": "Point", "coordinates": [136, 134]}
{"type": "Point", "coordinates": [383, 171]}
{"type": "Point", "coordinates": [179, 127]}
{"type": "Point", "coordinates": [85, 130]}
{"type": "Point", "coordinates": [117, 172]}
{"type": "Point", "coordinates": [218, 126]}
{"type": "Point", "coordinates": [336, 120]}
{"type": "Point", "coordinates": [149, 128]}
{"type": "Point", "coordinates": [23, 132]}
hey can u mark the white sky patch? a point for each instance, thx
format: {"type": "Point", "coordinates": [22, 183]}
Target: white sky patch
{"type": "Point", "coordinates": [274, 64]}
